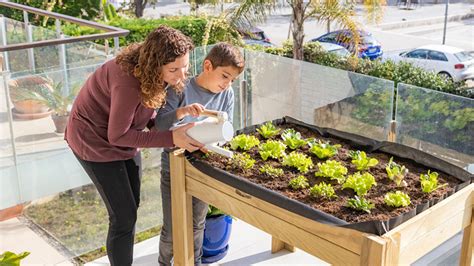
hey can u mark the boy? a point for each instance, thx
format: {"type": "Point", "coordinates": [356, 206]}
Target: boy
{"type": "Point", "coordinates": [208, 90]}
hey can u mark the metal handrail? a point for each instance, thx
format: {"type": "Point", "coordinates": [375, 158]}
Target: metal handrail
{"type": "Point", "coordinates": [112, 32]}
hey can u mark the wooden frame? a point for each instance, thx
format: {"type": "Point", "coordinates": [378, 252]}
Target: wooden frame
{"type": "Point", "coordinates": [339, 246]}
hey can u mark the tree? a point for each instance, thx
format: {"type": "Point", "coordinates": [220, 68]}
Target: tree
{"type": "Point", "coordinates": [340, 12]}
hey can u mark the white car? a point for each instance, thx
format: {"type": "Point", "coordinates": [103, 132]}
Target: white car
{"type": "Point", "coordinates": [449, 62]}
{"type": "Point", "coordinates": [334, 48]}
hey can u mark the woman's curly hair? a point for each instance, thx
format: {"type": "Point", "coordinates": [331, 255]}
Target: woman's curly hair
{"type": "Point", "coordinates": [145, 61]}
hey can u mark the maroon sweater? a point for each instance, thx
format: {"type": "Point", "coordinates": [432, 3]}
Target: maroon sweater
{"type": "Point", "coordinates": [107, 118]}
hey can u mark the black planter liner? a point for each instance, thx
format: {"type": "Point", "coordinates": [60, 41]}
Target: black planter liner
{"type": "Point", "coordinates": [356, 141]}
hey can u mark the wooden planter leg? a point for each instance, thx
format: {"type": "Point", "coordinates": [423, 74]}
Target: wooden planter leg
{"type": "Point", "coordinates": [181, 210]}
{"type": "Point", "coordinates": [278, 245]}
{"type": "Point", "coordinates": [374, 252]}
{"type": "Point", "coordinates": [467, 242]}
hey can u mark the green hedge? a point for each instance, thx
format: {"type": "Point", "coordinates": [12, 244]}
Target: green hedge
{"type": "Point", "coordinates": [398, 72]}
{"type": "Point", "coordinates": [194, 27]}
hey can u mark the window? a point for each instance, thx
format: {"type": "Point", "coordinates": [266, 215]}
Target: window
{"type": "Point", "coordinates": [438, 56]}
{"type": "Point", "coordinates": [464, 56]}
{"type": "Point", "coordinates": [328, 38]}
{"type": "Point", "coordinates": [418, 54]}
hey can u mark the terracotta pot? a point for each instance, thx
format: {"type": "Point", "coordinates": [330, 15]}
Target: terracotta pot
{"type": "Point", "coordinates": [30, 107]}
{"type": "Point", "coordinates": [60, 122]}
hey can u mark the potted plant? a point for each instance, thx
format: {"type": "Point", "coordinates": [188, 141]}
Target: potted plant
{"type": "Point", "coordinates": [10, 258]}
{"type": "Point", "coordinates": [216, 235]}
{"type": "Point", "coordinates": [24, 92]}
{"type": "Point", "coordinates": [58, 102]}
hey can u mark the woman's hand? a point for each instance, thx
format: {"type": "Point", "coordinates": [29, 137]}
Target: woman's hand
{"type": "Point", "coordinates": [193, 110]}
{"type": "Point", "coordinates": [182, 140]}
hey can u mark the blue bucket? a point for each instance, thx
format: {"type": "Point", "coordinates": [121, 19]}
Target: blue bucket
{"type": "Point", "coordinates": [216, 238]}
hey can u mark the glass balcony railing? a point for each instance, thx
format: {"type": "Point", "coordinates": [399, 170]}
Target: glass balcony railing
{"type": "Point", "coordinates": [38, 169]}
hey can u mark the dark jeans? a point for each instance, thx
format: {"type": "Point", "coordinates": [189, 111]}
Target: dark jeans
{"type": "Point", "coordinates": [118, 183]}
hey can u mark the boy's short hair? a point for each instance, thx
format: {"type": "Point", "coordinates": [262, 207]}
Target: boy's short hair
{"type": "Point", "coordinates": [224, 54]}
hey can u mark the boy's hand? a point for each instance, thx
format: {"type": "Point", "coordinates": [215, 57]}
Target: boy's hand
{"type": "Point", "coordinates": [193, 110]}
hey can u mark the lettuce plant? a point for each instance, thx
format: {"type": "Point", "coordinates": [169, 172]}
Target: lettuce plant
{"type": "Point", "coordinates": [271, 171]}
{"type": "Point", "coordinates": [298, 160]}
{"type": "Point", "coordinates": [332, 169]}
{"type": "Point", "coordinates": [323, 150]}
{"type": "Point", "coordinates": [360, 204]}
{"type": "Point", "coordinates": [292, 138]}
{"type": "Point", "coordinates": [298, 182]}
{"type": "Point", "coordinates": [268, 130]}
{"type": "Point", "coordinates": [429, 182]}
{"type": "Point", "coordinates": [323, 190]}
{"type": "Point", "coordinates": [244, 142]}
{"type": "Point", "coordinates": [397, 199]}
{"type": "Point", "coordinates": [272, 148]}
{"type": "Point", "coordinates": [360, 183]}
{"type": "Point", "coordinates": [361, 161]}
{"type": "Point", "coordinates": [242, 160]}
{"type": "Point", "coordinates": [396, 173]}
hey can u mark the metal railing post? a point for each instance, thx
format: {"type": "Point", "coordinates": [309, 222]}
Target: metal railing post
{"type": "Point", "coordinates": [62, 58]}
{"type": "Point", "coordinates": [29, 39]}
{"type": "Point", "coordinates": [3, 34]}
{"type": "Point", "coordinates": [243, 104]}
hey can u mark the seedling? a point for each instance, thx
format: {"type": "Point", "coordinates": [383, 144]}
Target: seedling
{"type": "Point", "coordinates": [273, 149]}
{"type": "Point", "coordinates": [298, 182]}
{"type": "Point", "coordinates": [323, 150]}
{"type": "Point", "coordinates": [397, 199]}
{"type": "Point", "coordinates": [360, 183]}
{"type": "Point", "coordinates": [361, 161]}
{"type": "Point", "coordinates": [271, 171]}
{"type": "Point", "coordinates": [268, 130]}
{"type": "Point", "coordinates": [292, 138]}
{"type": "Point", "coordinates": [244, 142]}
{"type": "Point", "coordinates": [299, 161]}
{"type": "Point", "coordinates": [396, 173]}
{"type": "Point", "coordinates": [429, 182]}
{"type": "Point", "coordinates": [360, 204]}
{"type": "Point", "coordinates": [332, 169]}
{"type": "Point", "coordinates": [323, 190]}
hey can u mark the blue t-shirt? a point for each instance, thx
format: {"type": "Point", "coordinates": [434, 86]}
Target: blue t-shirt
{"type": "Point", "coordinates": [192, 93]}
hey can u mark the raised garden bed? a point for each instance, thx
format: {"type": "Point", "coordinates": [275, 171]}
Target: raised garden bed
{"type": "Point", "coordinates": [335, 210]}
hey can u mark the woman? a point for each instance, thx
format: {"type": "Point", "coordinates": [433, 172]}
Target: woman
{"type": "Point", "coordinates": [107, 120]}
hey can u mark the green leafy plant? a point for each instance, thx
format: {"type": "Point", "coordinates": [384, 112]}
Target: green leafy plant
{"type": "Point", "coordinates": [244, 142]}
{"type": "Point", "coordinates": [271, 171]}
{"type": "Point", "coordinates": [292, 138]}
{"type": "Point", "coordinates": [397, 199]}
{"type": "Point", "coordinates": [268, 130]}
{"type": "Point", "coordinates": [429, 182]}
{"type": "Point", "coordinates": [360, 204]}
{"type": "Point", "coordinates": [323, 190]}
{"type": "Point", "coordinates": [213, 211]}
{"type": "Point", "coordinates": [298, 160]}
{"type": "Point", "coordinates": [11, 259]}
{"type": "Point", "coordinates": [272, 148]}
{"type": "Point", "coordinates": [298, 182]}
{"type": "Point", "coordinates": [360, 183]}
{"type": "Point", "coordinates": [332, 169]}
{"type": "Point", "coordinates": [323, 150]}
{"type": "Point", "coordinates": [396, 173]}
{"type": "Point", "coordinates": [242, 160]}
{"type": "Point", "coordinates": [361, 161]}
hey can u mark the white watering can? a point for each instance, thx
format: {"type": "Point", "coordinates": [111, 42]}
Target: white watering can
{"type": "Point", "coordinates": [213, 130]}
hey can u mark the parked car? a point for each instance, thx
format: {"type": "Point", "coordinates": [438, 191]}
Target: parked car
{"type": "Point", "coordinates": [335, 48]}
{"type": "Point", "coordinates": [368, 46]}
{"type": "Point", "coordinates": [450, 62]}
{"type": "Point", "coordinates": [254, 35]}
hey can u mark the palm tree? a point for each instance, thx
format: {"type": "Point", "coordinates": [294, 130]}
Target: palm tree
{"type": "Point", "coordinates": [339, 11]}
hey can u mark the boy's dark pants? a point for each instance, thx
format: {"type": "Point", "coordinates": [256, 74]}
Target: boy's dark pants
{"type": "Point", "coordinates": [199, 219]}
{"type": "Point", "coordinates": [118, 183]}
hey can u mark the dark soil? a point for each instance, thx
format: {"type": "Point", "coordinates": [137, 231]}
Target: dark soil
{"type": "Point", "coordinates": [337, 207]}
